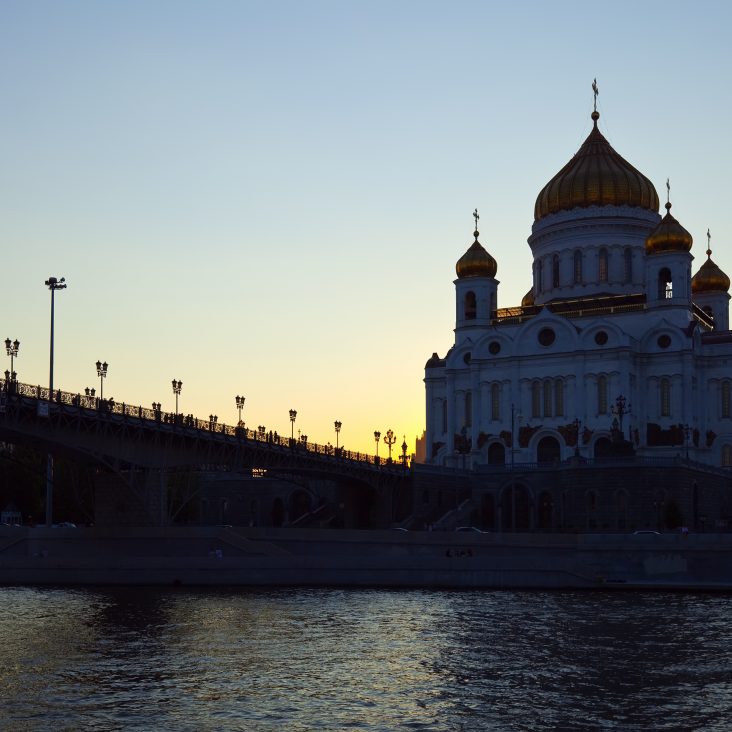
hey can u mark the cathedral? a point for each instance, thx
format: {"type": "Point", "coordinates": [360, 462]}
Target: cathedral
{"type": "Point", "coordinates": [616, 350]}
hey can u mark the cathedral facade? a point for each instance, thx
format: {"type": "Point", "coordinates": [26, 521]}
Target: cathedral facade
{"type": "Point", "coordinates": [618, 348]}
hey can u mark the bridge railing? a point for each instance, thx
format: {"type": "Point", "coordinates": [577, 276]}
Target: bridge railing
{"type": "Point", "coordinates": [188, 421]}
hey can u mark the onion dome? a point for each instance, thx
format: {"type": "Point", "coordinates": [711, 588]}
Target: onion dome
{"type": "Point", "coordinates": [710, 277]}
{"type": "Point", "coordinates": [434, 362]}
{"type": "Point", "coordinates": [476, 262]}
{"type": "Point", "coordinates": [528, 299]}
{"type": "Point", "coordinates": [596, 176]}
{"type": "Point", "coordinates": [668, 236]}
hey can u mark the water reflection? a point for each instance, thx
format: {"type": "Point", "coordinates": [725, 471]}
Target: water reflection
{"type": "Point", "coordinates": [372, 660]}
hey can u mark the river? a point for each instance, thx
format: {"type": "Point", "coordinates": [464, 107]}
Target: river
{"type": "Point", "coordinates": [332, 659]}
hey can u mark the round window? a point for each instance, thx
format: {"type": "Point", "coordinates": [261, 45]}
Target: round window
{"type": "Point", "coordinates": [466, 358]}
{"type": "Point", "coordinates": [664, 341]}
{"type": "Point", "coordinates": [494, 348]}
{"type": "Point", "coordinates": [546, 336]}
{"type": "Point", "coordinates": [601, 337]}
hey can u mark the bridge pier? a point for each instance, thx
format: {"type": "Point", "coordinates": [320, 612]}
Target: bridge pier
{"type": "Point", "coordinates": [132, 498]}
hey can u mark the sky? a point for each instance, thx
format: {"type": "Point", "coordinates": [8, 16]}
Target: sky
{"type": "Point", "coordinates": [267, 199]}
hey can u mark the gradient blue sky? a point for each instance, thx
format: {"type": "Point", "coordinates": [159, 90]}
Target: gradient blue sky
{"type": "Point", "coordinates": [269, 198]}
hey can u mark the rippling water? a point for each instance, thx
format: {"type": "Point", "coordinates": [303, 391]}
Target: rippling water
{"type": "Point", "coordinates": [151, 659]}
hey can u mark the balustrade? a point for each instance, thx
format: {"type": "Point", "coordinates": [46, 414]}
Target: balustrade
{"type": "Point", "coordinates": [109, 407]}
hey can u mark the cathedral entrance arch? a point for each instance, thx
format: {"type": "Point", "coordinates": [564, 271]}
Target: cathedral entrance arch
{"type": "Point", "coordinates": [603, 447]}
{"type": "Point", "coordinates": [548, 450]}
{"type": "Point", "coordinates": [515, 508]}
{"type": "Point", "coordinates": [496, 454]}
{"type": "Point", "coordinates": [546, 510]}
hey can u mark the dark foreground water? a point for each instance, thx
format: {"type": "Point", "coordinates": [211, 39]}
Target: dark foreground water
{"type": "Point", "coordinates": [151, 659]}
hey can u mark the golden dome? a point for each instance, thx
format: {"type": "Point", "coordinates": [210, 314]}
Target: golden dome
{"type": "Point", "coordinates": [668, 236]}
{"type": "Point", "coordinates": [709, 278]}
{"type": "Point", "coordinates": [528, 299]}
{"type": "Point", "coordinates": [596, 176]}
{"type": "Point", "coordinates": [476, 262]}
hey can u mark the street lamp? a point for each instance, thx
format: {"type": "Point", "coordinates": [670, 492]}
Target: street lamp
{"type": "Point", "coordinates": [576, 424]}
{"type": "Point", "coordinates": [389, 439]}
{"type": "Point", "coordinates": [687, 434]}
{"type": "Point", "coordinates": [12, 351]}
{"type": "Point", "coordinates": [404, 451]}
{"type": "Point", "coordinates": [177, 386]}
{"type": "Point", "coordinates": [53, 284]}
{"type": "Point", "coordinates": [293, 417]}
{"type": "Point", "coordinates": [240, 405]}
{"type": "Point", "coordinates": [377, 437]}
{"type": "Point", "coordinates": [102, 374]}
{"type": "Point", "coordinates": [620, 409]}
{"type": "Point", "coordinates": [337, 426]}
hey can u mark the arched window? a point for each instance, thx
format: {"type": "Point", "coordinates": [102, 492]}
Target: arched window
{"type": "Point", "coordinates": [602, 395]}
{"type": "Point", "coordinates": [602, 265]}
{"type": "Point", "coordinates": [469, 409]}
{"type": "Point", "coordinates": [548, 398]}
{"type": "Point", "coordinates": [628, 265]}
{"type": "Point", "coordinates": [665, 285]}
{"type": "Point", "coordinates": [536, 399]}
{"type": "Point", "coordinates": [495, 401]}
{"type": "Point", "coordinates": [726, 456]}
{"type": "Point", "coordinates": [665, 397]}
{"type": "Point", "coordinates": [470, 306]}
{"type": "Point", "coordinates": [444, 416]}
{"type": "Point", "coordinates": [726, 406]}
{"type": "Point", "coordinates": [555, 270]}
{"type": "Point", "coordinates": [558, 397]}
{"type": "Point", "coordinates": [578, 266]}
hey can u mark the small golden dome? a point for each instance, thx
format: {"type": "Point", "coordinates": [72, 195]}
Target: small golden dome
{"type": "Point", "coordinates": [668, 236]}
{"type": "Point", "coordinates": [476, 262]}
{"type": "Point", "coordinates": [596, 176]}
{"type": "Point", "coordinates": [528, 299]}
{"type": "Point", "coordinates": [709, 278]}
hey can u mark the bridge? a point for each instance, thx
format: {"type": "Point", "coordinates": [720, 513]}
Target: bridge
{"type": "Point", "coordinates": [136, 443]}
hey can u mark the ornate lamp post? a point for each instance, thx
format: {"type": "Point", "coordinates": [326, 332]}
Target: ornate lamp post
{"type": "Point", "coordinates": [620, 409]}
{"type": "Point", "coordinates": [102, 374]}
{"type": "Point", "coordinates": [53, 284]}
{"type": "Point", "coordinates": [377, 437]}
{"type": "Point", "coordinates": [337, 424]}
{"type": "Point", "coordinates": [12, 350]}
{"type": "Point", "coordinates": [687, 434]}
{"type": "Point", "coordinates": [240, 405]}
{"type": "Point", "coordinates": [404, 452]}
{"type": "Point", "coordinates": [177, 386]}
{"type": "Point", "coordinates": [293, 417]}
{"type": "Point", "coordinates": [212, 420]}
{"type": "Point", "coordinates": [576, 424]}
{"type": "Point", "coordinates": [389, 439]}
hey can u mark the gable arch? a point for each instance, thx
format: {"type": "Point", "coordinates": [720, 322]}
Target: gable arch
{"type": "Point", "coordinates": [527, 339]}
{"type": "Point", "coordinates": [484, 348]}
{"type": "Point", "coordinates": [615, 336]}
